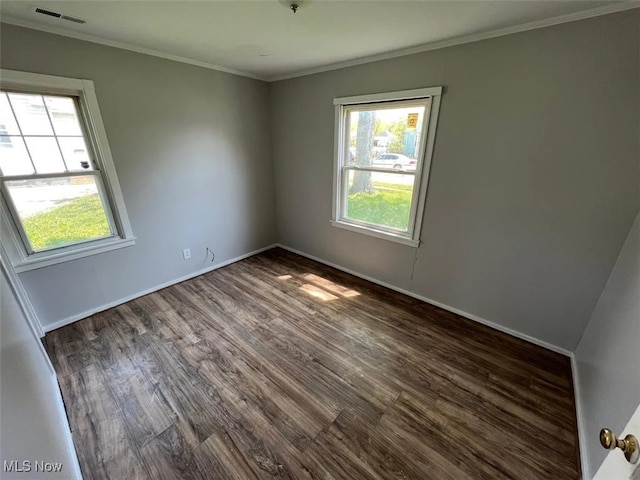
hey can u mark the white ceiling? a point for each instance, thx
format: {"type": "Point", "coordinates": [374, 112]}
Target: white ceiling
{"type": "Point", "coordinates": [264, 39]}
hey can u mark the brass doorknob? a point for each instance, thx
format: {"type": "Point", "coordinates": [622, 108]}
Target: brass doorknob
{"type": "Point", "coordinates": [629, 445]}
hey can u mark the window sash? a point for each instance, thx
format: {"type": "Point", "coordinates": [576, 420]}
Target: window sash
{"type": "Point", "coordinates": [97, 144]}
{"type": "Point", "coordinates": [54, 135]}
{"type": "Point", "coordinates": [389, 105]}
{"type": "Point", "coordinates": [91, 171]}
{"type": "Point", "coordinates": [392, 171]}
{"type": "Point", "coordinates": [417, 194]}
{"type": "Point", "coordinates": [18, 221]}
{"type": "Point", "coordinates": [429, 92]}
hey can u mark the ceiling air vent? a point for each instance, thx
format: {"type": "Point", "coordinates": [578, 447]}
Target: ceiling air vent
{"type": "Point", "coordinates": [48, 12]}
{"type": "Point", "coordinates": [61, 16]}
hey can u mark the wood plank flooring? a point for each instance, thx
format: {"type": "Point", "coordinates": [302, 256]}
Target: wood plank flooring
{"type": "Point", "coordinates": [280, 367]}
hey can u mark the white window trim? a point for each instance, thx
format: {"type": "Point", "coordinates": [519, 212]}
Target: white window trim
{"type": "Point", "coordinates": [412, 238]}
{"type": "Point", "coordinates": [96, 136]}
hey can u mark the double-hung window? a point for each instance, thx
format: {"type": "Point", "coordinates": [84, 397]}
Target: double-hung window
{"type": "Point", "coordinates": [383, 148]}
{"type": "Point", "coordinates": [60, 193]}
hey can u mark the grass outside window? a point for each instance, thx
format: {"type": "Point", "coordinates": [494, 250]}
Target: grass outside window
{"type": "Point", "coordinates": [388, 205]}
{"type": "Point", "coordinates": [79, 220]}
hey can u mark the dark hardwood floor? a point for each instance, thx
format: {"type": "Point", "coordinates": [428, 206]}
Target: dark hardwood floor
{"type": "Point", "coordinates": [280, 367]}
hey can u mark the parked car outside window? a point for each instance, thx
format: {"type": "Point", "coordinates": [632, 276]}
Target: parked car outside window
{"type": "Point", "coordinates": [396, 161]}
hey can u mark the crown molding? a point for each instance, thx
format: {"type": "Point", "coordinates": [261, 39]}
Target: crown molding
{"type": "Point", "coordinates": [572, 17]}
{"type": "Point", "coordinates": [124, 46]}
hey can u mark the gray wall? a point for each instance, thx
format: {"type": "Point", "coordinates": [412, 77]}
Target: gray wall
{"type": "Point", "coordinates": [34, 425]}
{"type": "Point", "coordinates": [192, 150]}
{"type": "Point", "coordinates": [608, 355]}
{"type": "Point", "coordinates": [534, 183]}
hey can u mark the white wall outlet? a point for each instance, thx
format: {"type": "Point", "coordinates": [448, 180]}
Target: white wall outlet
{"type": "Point", "coordinates": [186, 253]}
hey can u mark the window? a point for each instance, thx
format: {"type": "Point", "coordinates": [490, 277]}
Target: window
{"type": "Point", "coordinates": [383, 149]}
{"type": "Point", "coordinates": [60, 194]}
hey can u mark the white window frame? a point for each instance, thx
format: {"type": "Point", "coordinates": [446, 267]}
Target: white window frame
{"type": "Point", "coordinates": [345, 104]}
{"type": "Point", "coordinates": [96, 138]}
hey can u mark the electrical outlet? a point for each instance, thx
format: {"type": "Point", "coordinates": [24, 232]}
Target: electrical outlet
{"type": "Point", "coordinates": [186, 253]}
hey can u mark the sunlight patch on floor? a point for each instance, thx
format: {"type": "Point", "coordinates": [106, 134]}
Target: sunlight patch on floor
{"type": "Point", "coordinates": [317, 292]}
{"type": "Point", "coordinates": [331, 286]}
{"type": "Point", "coordinates": [321, 288]}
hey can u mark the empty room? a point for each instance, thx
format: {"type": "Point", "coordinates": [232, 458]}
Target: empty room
{"type": "Point", "coordinates": [318, 239]}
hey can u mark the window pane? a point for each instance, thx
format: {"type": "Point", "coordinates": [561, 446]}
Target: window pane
{"type": "Point", "coordinates": [382, 199]}
{"type": "Point", "coordinates": [75, 153]}
{"type": "Point", "coordinates": [14, 159]}
{"type": "Point", "coordinates": [31, 114]}
{"type": "Point", "coordinates": [385, 137]}
{"type": "Point", "coordinates": [56, 212]}
{"type": "Point", "coordinates": [8, 125]}
{"type": "Point", "coordinates": [62, 111]}
{"type": "Point", "coordinates": [45, 154]}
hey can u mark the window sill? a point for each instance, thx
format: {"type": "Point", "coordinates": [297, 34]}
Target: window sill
{"type": "Point", "coordinates": [64, 256]}
{"type": "Point", "coordinates": [376, 233]}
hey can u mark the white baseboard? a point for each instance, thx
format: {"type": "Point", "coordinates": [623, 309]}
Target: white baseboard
{"type": "Point", "coordinates": [470, 316]}
{"type": "Point", "coordinates": [554, 348]}
{"type": "Point", "coordinates": [582, 434]}
{"type": "Point", "coordinates": [106, 306]}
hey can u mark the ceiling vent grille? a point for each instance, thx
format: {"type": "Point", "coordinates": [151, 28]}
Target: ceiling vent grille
{"type": "Point", "coordinates": [48, 12]}
{"type": "Point", "coordinates": [61, 16]}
